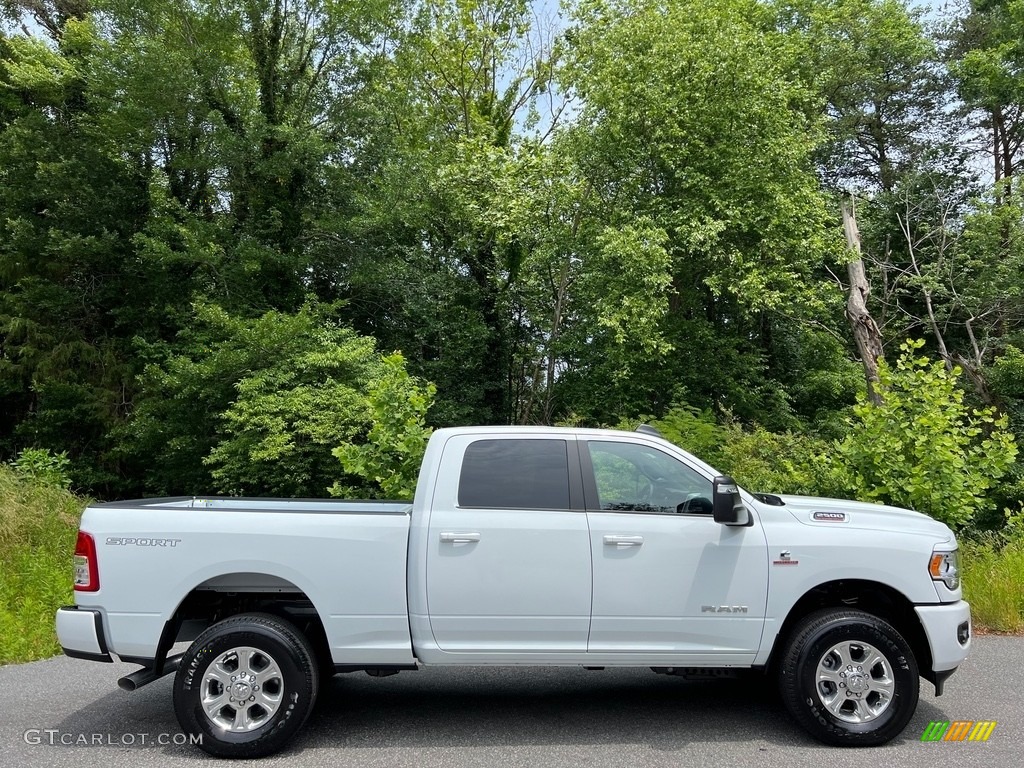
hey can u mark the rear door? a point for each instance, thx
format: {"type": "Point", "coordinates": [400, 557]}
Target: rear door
{"type": "Point", "coordinates": [508, 552]}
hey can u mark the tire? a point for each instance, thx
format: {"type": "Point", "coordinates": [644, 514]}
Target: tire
{"type": "Point", "coordinates": [246, 686]}
{"type": "Point", "coordinates": [868, 686]}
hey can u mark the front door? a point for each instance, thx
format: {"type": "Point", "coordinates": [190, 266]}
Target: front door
{"type": "Point", "coordinates": [668, 579]}
{"type": "Point", "coordinates": [508, 560]}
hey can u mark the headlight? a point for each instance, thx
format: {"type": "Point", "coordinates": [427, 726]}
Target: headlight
{"type": "Point", "coordinates": [945, 567]}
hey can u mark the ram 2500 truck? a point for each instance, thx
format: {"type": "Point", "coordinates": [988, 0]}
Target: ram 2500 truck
{"type": "Point", "coordinates": [522, 546]}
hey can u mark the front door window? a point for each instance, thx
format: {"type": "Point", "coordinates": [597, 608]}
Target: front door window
{"type": "Point", "coordinates": [639, 478]}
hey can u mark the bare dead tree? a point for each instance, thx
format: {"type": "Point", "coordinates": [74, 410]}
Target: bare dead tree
{"type": "Point", "coordinates": [865, 331]}
{"type": "Point", "coordinates": [937, 242]}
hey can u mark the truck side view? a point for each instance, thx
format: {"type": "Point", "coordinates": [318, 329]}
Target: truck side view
{"type": "Point", "coordinates": [522, 546]}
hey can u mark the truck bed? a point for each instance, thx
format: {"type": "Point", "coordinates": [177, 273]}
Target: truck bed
{"type": "Point", "coordinates": [347, 558]}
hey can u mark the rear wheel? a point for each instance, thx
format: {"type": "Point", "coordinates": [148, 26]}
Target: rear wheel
{"type": "Point", "coordinates": [246, 686]}
{"type": "Point", "coordinates": [849, 678]}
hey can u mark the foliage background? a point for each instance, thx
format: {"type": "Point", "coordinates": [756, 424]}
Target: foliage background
{"type": "Point", "coordinates": [266, 246]}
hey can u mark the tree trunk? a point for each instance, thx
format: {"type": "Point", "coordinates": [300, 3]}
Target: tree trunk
{"type": "Point", "coordinates": [865, 330]}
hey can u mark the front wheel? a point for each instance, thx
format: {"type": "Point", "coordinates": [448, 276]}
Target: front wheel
{"type": "Point", "coordinates": [246, 686]}
{"type": "Point", "coordinates": [849, 678]}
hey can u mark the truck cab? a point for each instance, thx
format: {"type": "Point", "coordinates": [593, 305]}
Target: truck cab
{"type": "Point", "coordinates": [549, 545]}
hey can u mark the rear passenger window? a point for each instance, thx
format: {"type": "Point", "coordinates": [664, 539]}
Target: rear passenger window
{"type": "Point", "coordinates": [515, 474]}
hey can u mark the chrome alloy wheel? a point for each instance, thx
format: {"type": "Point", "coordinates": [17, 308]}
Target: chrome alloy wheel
{"type": "Point", "coordinates": [855, 682]}
{"type": "Point", "coordinates": [242, 689]}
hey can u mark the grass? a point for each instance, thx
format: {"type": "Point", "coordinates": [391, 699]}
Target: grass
{"type": "Point", "coordinates": [993, 574]}
{"type": "Point", "coordinates": [38, 525]}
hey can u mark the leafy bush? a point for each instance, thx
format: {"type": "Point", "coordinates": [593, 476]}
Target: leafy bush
{"type": "Point", "coordinates": [759, 460]}
{"type": "Point", "coordinates": [1006, 374]}
{"type": "Point", "coordinates": [923, 447]}
{"type": "Point", "coordinates": [693, 430]}
{"type": "Point", "coordinates": [390, 458]}
{"type": "Point", "coordinates": [38, 524]}
{"type": "Point", "coordinates": [1005, 378]}
{"type": "Point", "coordinates": [256, 405]}
{"type": "Point", "coordinates": [786, 462]}
{"type": "Point", "coordinates": [43, 466]}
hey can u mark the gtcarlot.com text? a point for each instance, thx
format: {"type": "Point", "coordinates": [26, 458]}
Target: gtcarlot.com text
{"type": "Point", "coordinates": [54, 737]}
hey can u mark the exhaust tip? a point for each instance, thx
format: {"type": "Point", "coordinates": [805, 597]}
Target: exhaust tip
{"type": "Point", "coordinates": [127, 684]}
{"type": "Point", "coordinates": [147, 675]}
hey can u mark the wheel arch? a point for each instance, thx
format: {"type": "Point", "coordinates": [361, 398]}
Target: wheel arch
{"type": "Point", "coordinates": [873, 597]}
{"type": "Point", "coordinates": [228, 594]}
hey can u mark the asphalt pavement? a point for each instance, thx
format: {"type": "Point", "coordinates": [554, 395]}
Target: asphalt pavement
{"type": "Point", "coordinates": [63, 712]}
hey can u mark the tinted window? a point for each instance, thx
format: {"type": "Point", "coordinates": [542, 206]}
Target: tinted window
{"type": "Point", "coordinates": [518, 474]}
{"type": "Point", "coordinates": [638, 478]}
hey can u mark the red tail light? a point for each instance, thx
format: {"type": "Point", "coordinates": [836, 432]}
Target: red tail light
{"type": "Point", "coordinates": [87, 575]}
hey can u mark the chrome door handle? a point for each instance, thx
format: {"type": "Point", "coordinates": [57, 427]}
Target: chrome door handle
{"type": "Point", "coordinates": [460, 538]}
{"type": "Point", "coordinates": [626, 541]}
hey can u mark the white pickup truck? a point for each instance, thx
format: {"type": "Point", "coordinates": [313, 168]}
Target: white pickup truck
{"type": "Point", "coordinates": [523, 546]}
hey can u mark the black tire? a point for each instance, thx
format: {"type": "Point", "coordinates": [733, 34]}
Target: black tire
{"type": "Point", "coordinates": [862, 707]}
{"type": "Point", "coordinates": [258, 648]}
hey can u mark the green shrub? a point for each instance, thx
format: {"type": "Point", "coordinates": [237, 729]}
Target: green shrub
{"type": "Point", "coordinates": [255, 406]}
{"type": "Point", "coordinates": [759, 460]}
{"type": "Point", "coordinates": [923, 447]}
{"type": "Point", "coordinates": [38, 525]}
{"type": "Point", "coordinates": [693, 430]}
{"type": "Point", "coordinates": [389, 459]}
{"type": "Point", "coordinates": [43, 466]}
{"type": "Point", "coordinates": [787, 462]}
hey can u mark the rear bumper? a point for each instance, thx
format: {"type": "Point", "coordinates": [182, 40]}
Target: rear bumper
{"type": "Point", "coordinates": [80, 632]}
{"type": "Point", "coordinates": [948, 629]}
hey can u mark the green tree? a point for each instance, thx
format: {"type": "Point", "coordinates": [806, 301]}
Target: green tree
{"type": "Point", "coordinates": [987, 55]}
{"type": "Point", "coordinates": [704, 223]}
{"type": "Point", "coordinates": [152, 154]}
{"type": "Point", "coordinates": [443, 149]}
{"type": "Point", "coordinates": [876, 72]}
{"type": "Point", "coordinates": [896, 137]}
{"type": "Point", "coordinates": [67, 212]}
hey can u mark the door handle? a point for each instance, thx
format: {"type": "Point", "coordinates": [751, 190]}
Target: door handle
{"type": "Point", "coordinates": [625, 541]}
{"type": "Point", "coordinates": [460, 538]}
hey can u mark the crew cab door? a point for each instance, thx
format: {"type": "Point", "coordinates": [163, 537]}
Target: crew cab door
{"type": "Point", "coordinates": [668, 579]}
{"type": "Point", "coordinates": [508, 552]}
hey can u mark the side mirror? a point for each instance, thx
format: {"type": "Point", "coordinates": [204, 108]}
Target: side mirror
{"type": "Point", "coordinates": [727, 506]}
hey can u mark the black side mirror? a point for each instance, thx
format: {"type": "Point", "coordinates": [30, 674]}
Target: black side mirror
{"type": "Point", "coordinates": [728, 507]}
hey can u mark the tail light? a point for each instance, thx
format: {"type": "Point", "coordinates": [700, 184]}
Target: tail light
{"type": "Point", "coordinates": [87, 575]}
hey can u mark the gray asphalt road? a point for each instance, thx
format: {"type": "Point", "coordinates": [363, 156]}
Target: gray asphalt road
{"type": "Point", "coordinates": [455, 718]}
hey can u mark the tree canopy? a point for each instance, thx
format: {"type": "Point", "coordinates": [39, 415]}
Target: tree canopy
{"type": "Point", "coordinates": [265, 246]}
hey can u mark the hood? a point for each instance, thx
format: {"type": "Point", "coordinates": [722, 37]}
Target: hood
{"type": "Point", "coordinates": [839, 513]}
